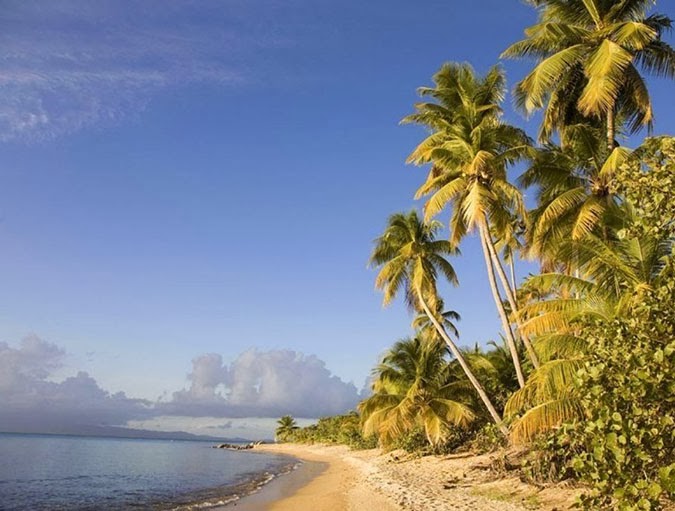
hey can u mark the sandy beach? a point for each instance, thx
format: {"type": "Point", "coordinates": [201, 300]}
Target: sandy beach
{"type": "Point", "coordinates": [334, 478]}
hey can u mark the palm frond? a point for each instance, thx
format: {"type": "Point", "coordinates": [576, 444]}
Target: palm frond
{"type": "Point", "coordinates": [604, 70]}
{"type": "Point", "coordinates": [544, 417]}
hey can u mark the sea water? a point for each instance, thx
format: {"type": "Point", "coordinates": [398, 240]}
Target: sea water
{"type": "Point", "coordinates": [49, 472]}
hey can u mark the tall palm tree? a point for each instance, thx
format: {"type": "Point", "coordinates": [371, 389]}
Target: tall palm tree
{"type": "Point", "coordinates": [287, 426]}
{"type": "Point", "coordinates": [411, 260]}
{"type": "Point", "coordinates": [589, 53]}
{"type": "Point", "coordinates": [469, 149]}
{"type": "Point", "coordinates": [413, 387]}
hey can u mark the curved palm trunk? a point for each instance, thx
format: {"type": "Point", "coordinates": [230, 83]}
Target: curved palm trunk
{"type": "Point", "coordinates": [510, 296]}
{"type": "Point", "coordinates": [510, 341]}
{"type": "Point", "coordinates": [467, 370]}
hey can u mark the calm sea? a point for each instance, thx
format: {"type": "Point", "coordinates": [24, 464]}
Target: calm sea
{"type": "Point", "coordinates": [45, 472]}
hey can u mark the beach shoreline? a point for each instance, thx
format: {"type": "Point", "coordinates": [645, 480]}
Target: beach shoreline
{"type": "Point", "coordinates": [324, 481]}
{"type": "Point", "coordinates": [335, 478]}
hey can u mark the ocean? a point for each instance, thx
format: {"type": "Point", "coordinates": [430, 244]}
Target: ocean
{"type": "Point", "coordinates": [50, 472]}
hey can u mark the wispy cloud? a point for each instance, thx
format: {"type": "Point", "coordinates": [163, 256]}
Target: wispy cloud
{"type": "Point", "coordinates": [70, 64]}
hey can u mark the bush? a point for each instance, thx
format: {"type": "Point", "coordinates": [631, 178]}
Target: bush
{"type": "Point", "coordinates": [487, 439]}
{"type": "Point", "coordinates": [626, 447]}
{"type": "Point", "coordinates": [413, 441]}
{"type": "Point", "coordinates": [550, 459]}
{"type": "Point", "coordinates": [338, 429]}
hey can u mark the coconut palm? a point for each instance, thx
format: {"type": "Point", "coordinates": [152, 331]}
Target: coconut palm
{"type": "Point", "coordinates": [287, 426]}
{"type": "Point", "coordinates": [411, 259]}
{"type": "Point", "coordinates": [470, 149]}
{"type": "Point", "coordinates": [426, 329]}
{"type": "Point", "coordinates": [589, 53]}
{"type": "Point", "coordinates": [413, 388]}
{"type": "Point", "coordinates": [574, 189]}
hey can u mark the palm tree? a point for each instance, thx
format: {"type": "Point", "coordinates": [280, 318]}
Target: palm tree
{"type": "Point", "coordinates": [574, 188]}
{"type": "Point", "coordinates": [469, 149]}
{"type": "Point", "coordinates": [411, 260]}
{"type": "Point", "coordinates": [426, 329]}
{"type": "Point", "coordinates": [413, 387]}
{"type": "Point", "coordinates": [509, 243]}
{"type": "Point", "coordinates": [614, 275]}
{"type": "Point", "coordinates": [588, 54]}
{"type": "Point", "coordinates": [287, 426]}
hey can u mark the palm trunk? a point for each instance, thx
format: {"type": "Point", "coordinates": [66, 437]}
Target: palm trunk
{"type": "Point", "coordinates": [512, 267]}
{"type": "Point", "coordinates": [509, 293]}
{"type": "Point", "coordinates": [467, 370]}
{"type": "Point", "coordinates": [510, 341]}
{"type": "Point", "coordinates": [610, 128]}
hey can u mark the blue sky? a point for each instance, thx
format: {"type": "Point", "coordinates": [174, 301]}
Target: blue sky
{"type": "Point", "coordinates": [194, 177]}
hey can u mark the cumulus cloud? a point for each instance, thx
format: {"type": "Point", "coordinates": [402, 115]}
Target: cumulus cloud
{"type": "Point", "coordinates": [208, 373]}
{"type": "Point", "coordinates": [21, 368]}
{"type": "Point", "coordinates": [30, 399]}
{"type": "Point", "coordinates": [258, 385]}
{"type": "Point", "coordinates": [263, 384]}
{"type": "Point", "coordinates": [69, 64]}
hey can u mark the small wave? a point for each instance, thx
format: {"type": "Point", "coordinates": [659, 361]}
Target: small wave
{"type": "Point", "coordinates": [251, 484]}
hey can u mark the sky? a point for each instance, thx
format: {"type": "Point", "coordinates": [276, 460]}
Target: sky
{"type": "Point", "coordinates": [190, 190]}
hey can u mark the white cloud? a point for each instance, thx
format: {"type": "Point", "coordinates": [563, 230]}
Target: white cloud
{"type": "Point", "coordinates": [226, 399]}
{"type": "Point", "coordinates": [30, 399]}
{"type": "Point", "coordinates": [207, 375]}
{"type": "Point", "coordinates": [263, 384]}
{"type": "Point", "coordinates": [21, 368]}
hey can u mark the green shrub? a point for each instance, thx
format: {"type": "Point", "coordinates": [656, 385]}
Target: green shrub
{"type": "Point", "coordinates": [626, 448]}
{"type": "Point", "coordinates": [550, 459]}
{"type": "Point", "coordinates": [413, 441]}
{"type": "Point", "coordinates": [487, 439]}
{"type": "Point", "coordinates": [338, 429]}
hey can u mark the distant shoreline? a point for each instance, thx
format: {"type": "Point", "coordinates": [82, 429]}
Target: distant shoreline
{"type": "Point", "coordinates": [134, 434]}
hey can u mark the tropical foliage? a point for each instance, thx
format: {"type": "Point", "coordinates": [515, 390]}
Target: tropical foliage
{"type": "Point", "coordinates": [588, 54]}
{"type": "Point", "coordinates": [411, 258]}
{"type": "Point", "coordinates": [415, 387]}
{"type": "Point", "coordinates": [469, 150]}
{"type": "Point", "coordinates": [626, 443]}
{"type": "Point", "coordinates": [339, 429]}
{"type": "Point", "coordinates": [585, 373]}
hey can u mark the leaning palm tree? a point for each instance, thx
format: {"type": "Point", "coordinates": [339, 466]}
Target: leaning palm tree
{"type": "Point", "coordinates": [588, 54]}
{"type": "Point", "coordinates": [287, 426]}
{"type": "Point", "coordinates": [411, 259]}
{"type": "Point", "coordinates": [470, 149]}
{"type": "Point", "coordinates": [413, 388]}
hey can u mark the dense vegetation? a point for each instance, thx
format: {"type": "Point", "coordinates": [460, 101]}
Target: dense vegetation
{"type": "Point", "coordinates": [585, 374]}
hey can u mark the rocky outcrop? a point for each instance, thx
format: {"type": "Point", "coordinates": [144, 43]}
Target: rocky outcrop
{"type": "Point", "coordinates": [237, 447]}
